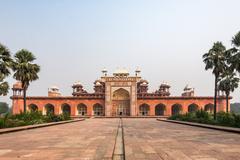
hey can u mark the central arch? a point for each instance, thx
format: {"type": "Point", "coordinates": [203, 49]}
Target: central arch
{"type": "Point", "coordinates": [121, 102]}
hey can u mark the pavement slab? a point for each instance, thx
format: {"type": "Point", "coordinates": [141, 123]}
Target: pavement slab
{"type": "Point", "coordinates": [86, 140]}
{"type": "Point", "coordinates": [144, 139]}
{"type": "Point", "coordinates": [151, 139]}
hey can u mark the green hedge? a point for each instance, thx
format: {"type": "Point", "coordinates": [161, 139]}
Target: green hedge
{"type": "Point", "coordinates": [30, 118]}
{"type": "Point", "coordinates": [200, 116]}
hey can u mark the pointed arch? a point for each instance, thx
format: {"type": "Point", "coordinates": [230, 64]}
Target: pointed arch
{"type": "Point", "coordinates": [66, 108]}
{"type": "Point", "coordinates": [144, 109]}
{"type": "Point", "coordinates": [121, 102]}
{"type": "Point", "coordinates": [49, 108]}
{"type": "Point", "coordinates": [160, 109]}
{"type": "Point", "coordinates": [121, 94]}
{"type": "Point", "coordinates": [176, 109]}
{"type": "Point", "coordinates": [98, 110]}
{"type": "Point", "coordinates": [193, 107]}
{"type": "Point", "coordinates": [209, 108]}
{"type": "Point", "coordinates": [82, 109]}
{"type": "Point", "coordinates": [33, 107]}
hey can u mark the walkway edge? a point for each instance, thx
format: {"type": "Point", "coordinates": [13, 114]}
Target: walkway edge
{"type": "Point", "coordinates": [221, 128]}
{"type": "Point", "coordinates": [16, 129]}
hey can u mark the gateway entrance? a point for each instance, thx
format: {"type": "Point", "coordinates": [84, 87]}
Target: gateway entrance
{"type": "Point", "coordinates": [123, 109]}
{"type": "Point", "coordinates": [121, 103]}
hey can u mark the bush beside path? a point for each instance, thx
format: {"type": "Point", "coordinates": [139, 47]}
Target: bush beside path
{"type": "Point", "coordinates": [30, 118]}
{"type": "Point", "coordinates": [201, 116]}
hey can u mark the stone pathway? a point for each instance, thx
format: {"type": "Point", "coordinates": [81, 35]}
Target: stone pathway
{"type": "Point", "coordinates": [151, 139]}
{"type": "Point", "coordinates": [85, 140]}
{"type": "Point", "coordinates": [143, 139]}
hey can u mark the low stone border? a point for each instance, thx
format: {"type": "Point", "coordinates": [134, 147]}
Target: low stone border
{"type": "Point", "coordinates": [15, 129]}
{"type": "Point", "coordinates": [80, 117]}
{"type": "Point", "coordinates": [221, 128]}
{"type": "Point", "coordinates": [129, 117]}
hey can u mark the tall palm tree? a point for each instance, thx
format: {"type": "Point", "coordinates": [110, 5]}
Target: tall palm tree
{"type": "Point", "coordinates": [228, 83]}
{"type": "Point", "coordinates": [234, 60]}
{"type": "Point", "coordinates": [5, 64]}
{"type": "Point", "coordinates": [25, 70]}
{"type": "Point", "coordinates": [215, 60]}
{"type": "Point", "coordinates": [236, 40]}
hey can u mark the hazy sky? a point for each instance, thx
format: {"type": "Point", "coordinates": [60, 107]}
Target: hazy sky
{"type": "Point", "coordinates": [73, 40]}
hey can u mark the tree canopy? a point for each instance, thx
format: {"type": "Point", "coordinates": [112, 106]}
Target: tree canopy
{"type": "Point", "coordinates": [5, 65]}
{"type": "Point", "coordinates": [4, 108]}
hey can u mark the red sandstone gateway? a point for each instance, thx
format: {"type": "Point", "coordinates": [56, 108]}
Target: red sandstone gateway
{"type": "Point", "coordinates": [117, 95]}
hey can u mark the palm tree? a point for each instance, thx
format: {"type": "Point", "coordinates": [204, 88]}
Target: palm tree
{"type": "Point", "coordinates": [5, 64]}
{"type": "Point", "coordinates": [4, 87]}
{"type": "Point", "coordinates": [215, 60]}
{"type": "Point", "coordinates": [25, 70]}
{"type": "Point", "coordinates": [234, 60]}
{"type": "Point", "coordinates": [236, 40]}
{"type": "Point", "coordinates": [228, 83]}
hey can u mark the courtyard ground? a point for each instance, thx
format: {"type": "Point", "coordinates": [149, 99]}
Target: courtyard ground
{"type": "Point", "coordinates": [143, 139]}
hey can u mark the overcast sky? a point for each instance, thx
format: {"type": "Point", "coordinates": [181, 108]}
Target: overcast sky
{"type": "Point", "coordinates": [74, 40]}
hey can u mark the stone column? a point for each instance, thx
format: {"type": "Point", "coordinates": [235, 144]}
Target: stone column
{"type": "Point", "coordinates": [57, 109]}
{"type": "Point", "coordinates": [89, 109]}
{"type": "Point", "coordinates": [184, 108]}
{"type": "Point", "coordinates": [168, 110]}
{"type": "Point", "coordinates": [108, 104]}
{"type": "Point", "coordinates": [133, 99]}
{"type": "Point", "coordinates": [152, 110]}
{"type": "Point", "coordinates": [73, 109]}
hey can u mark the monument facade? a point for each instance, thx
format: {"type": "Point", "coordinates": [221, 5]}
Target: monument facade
{"type": "Point", "coordinates": [119, 94]}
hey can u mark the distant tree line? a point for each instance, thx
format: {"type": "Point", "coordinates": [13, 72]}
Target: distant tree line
{"type": "Point", "coordinates": [225, 64]}
{"type": "Point", "coordinates": [235, 107]}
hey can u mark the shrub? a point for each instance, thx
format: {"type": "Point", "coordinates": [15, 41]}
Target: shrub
{"type": "Point", "coordinates": [201, 116]}
{"type": "Point", "coordinates": [237, 120]}
{"type": "Point", "coordinates": [175, 117]}
{"type": "Point", "coordinates": [65, 117]}
{"type": "Point", "coordinates": [3, 120]}
{"type": "Point", "coordinates": [30, 118]}
{"type": "Point", "coordinates": [57, 118]}
{"type": "Point", "coordinates": [52, 118]}
{"type": "Point", "coordinates": [204, 117]}
{"type": "Point", "coordinates": [226, 119]}
{"type": "Point", "coordinates": [2, 123]}
{"type": "Point", "coordinates": [189, 117]}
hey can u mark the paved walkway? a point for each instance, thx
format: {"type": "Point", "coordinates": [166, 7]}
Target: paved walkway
{"type": "Point", "coordinates": [143, 138]}
{"type": "Point", "coordinates": [151, 139]}
{"type": "Point", "coordinates": [85, 140]}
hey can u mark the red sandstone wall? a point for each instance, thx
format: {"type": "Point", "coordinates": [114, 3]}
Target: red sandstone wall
{"type": "Point", "coordinates": [221, 104]}
{"type": "Point", "coordinates": [57, 103]}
